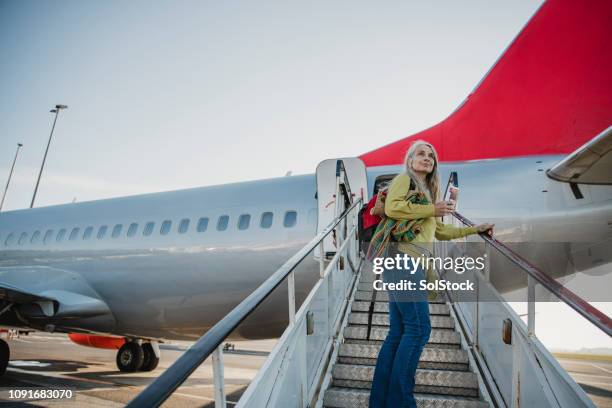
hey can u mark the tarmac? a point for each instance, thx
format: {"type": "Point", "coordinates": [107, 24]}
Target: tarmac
{"type": "Point", "coordinates": [43, 360]}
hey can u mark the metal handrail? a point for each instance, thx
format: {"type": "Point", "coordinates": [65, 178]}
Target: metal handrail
{"type": "Point", "coordinates": [591, 313]}
{"type": "Point", "coordinates": [161, 389]}
{"type": "Point", "coordinates": [302, 312]}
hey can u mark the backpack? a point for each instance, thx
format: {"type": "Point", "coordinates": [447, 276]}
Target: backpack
{"type": "Point", "coordinates": [370, 216]}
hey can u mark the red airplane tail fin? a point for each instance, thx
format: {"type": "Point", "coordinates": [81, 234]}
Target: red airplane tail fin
{"type": "Point", "coordinates": [549, 93]}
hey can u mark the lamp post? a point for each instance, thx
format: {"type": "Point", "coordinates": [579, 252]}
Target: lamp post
{"type": "Point", "coordinates": [10, 175]}
{"type": "Point", "coordinates": [56, 111]}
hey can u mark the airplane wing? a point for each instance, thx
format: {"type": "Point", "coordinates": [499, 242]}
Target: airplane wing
{"type": "Point", "coordinates": [15, 295]}
{"type": "Point", "coordinates": [590, 164]}
{"type": "Point", "coordinates": [59, 294]}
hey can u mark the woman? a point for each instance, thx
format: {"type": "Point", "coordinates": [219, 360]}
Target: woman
{"type": "Point", "coordinates": [410, 327]}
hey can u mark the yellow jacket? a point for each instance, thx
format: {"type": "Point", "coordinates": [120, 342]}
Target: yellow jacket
{"type": "Point", "coordinates": [398, 208]}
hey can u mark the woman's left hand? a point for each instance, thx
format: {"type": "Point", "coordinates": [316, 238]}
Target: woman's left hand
{"type": "Point", "coordinates": [488, 228]}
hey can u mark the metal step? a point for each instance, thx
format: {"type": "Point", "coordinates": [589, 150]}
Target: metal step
{"type": "Point", "coordinates": [368, 276]}
{"type": "Point", "coordinates": [384, 297]}
{"type": "Point", "coordinates": [432, 358]}
{"type": "Point", "coordinates": [462, 383]}
{"type": "Point", "coordinates": [443, 378]}
{"type": "Point", "coordinates": [438, 336]}
{"type": "Point", "coordinates": [337, 397]}
{"type": "Point", "coordinates": [378, 319]}
{"type": "Point", "coordinates": [366, 286]}
{"type": "Point", "coordinates": [383, 307]}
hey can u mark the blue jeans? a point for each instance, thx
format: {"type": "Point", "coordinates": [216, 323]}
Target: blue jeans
{"type": "Point", "coordinates": [409, 331]}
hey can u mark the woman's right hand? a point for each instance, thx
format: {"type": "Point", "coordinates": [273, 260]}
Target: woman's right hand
{"type": "Point", "coordinates": [443, 208]}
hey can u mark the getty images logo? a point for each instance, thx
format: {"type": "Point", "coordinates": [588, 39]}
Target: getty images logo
{"type": "Point", "coordinates": [411, 264]}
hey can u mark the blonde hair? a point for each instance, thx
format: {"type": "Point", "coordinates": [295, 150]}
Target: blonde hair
{"type": "Point", "coordinates": [432, 180]}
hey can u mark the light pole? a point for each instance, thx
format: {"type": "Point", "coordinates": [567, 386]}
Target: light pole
{"type": "Point", "coordinates": [56, 111]}
{"type": "Point", "coordinates": [10, 175]}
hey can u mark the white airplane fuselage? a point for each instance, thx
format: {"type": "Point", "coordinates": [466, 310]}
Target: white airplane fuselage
{"type": "Point", "coordinates": [178, 283]}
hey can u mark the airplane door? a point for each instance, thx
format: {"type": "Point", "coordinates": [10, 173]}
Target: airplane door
{"type": "Point", "coordinates": [326, 190]}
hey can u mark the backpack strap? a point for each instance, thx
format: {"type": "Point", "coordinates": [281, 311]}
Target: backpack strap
{"type": "Point", "coordinates": [412, 185]}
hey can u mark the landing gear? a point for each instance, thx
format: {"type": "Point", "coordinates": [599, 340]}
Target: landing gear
{"type": "Point", "coordinates": [5, 353]}
{"type": "Point", "coordinates": [150, 358]}
{"type": "Point", "coordinates": [130, 357]}
{"type": "Point", "coordinates": [133, 357]}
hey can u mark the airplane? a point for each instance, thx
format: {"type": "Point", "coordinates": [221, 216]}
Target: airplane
{"type": "Point", "coordinates": [531, 145]}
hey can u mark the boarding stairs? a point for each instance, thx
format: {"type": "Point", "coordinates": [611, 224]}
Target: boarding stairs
{"type": "Point", "coordinates": [443, 377]}
{"type": "Point", "coordinates": [480, 352]}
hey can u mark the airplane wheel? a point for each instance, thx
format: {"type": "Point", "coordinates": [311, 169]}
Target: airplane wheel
{"type": "Point", "coordinates": [150, 359]}
{"type": "Point", "coordinates": [5, 354]}
{"type": "Point", "coordinates": [130, 357]}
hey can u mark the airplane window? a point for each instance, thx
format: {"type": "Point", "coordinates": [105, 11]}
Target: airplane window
{"type": "Point", "coordinates": [102, 231]}
{"type": "Point", "coordinates": [74, 233]}
{"type": "Point", "coordinates": [183, 226]}
{"type": "Point", "coordinates": [266, 220]}
{"type": "Point", "coordinates": [87, 233]}
{"type": "Point", "coordinates": [243, 221]}
{"type": "Point", "coordinates": [9, 240]}
{"type": "Point", "coordinates": [48, 236]}
{"type": "Point", "coordinates": [148, 229]}
{"type": "Point", "coordinates": [35, 237]}
{"type": "Point", "coordinates": [165, 227]}
{"type": "Point", "coordinates": [202, 224]}
{"type": "Point", "coordinates": [116, 230]}
{"type": "Point", "coordinates": [22, 238]}
{"type": "Point", "coordinates": [290, 219]}
{"type": "Point", "coordinates": [60, 234]}
{"type": "Point", "coordinates": [132, 229]}
{"type": "Point", "coordinates": [222, 223]}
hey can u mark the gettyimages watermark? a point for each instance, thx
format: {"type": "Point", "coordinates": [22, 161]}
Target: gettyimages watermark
{"type": "Point", "coordinates": [470, 272]}
{"type": "Point", "coordinates": [411, 265]}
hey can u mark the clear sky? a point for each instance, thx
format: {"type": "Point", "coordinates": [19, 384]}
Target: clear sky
{"type": "Point", "coordinates": [169, 95]}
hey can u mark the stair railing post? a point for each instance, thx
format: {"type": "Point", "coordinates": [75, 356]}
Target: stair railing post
{"type": "Point", "coordinates": [355, 246]}
{"type": "Point", "coordinates": [484, 277]}
{"type": "Point", "coordinates": [475, 336]}
{"type": "Point", "coordinates": [321, 259]}
{"type": "Point", "coordinates": [331, 301]}
{"type": "Point", "coordinates": [530, 305]}
{"type": "Point", "coordinates": [516, 371]}
{"type": "Point", "coordinates": [217, 365]}
{"type": "Point", "coordinates": [487, 262]}
{"type": "Point", "coordinates": [291, 295]}
{"type": "Point", "coordinates": [303, 369]}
